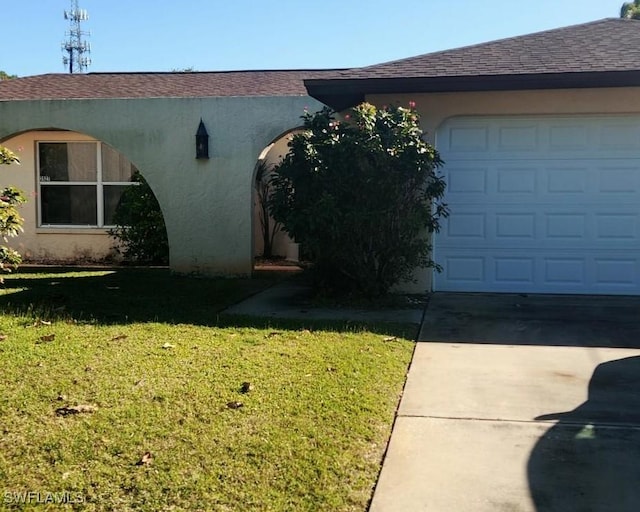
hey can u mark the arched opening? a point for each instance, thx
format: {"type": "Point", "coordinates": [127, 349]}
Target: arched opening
{"type": "Point", "coordinates": [271, 245]}
{"type": "Point", "coordinates": [74, 183]}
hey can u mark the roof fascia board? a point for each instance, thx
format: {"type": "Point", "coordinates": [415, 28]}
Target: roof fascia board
{"type": "Point", "coordinates": [338, 92]}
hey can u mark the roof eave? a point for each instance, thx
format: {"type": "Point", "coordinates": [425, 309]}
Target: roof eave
{"type": "Point", "coordinates": [342, 93]}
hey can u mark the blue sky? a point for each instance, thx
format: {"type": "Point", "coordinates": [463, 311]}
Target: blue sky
{"type": "Point", "coordinates": [211, 35]}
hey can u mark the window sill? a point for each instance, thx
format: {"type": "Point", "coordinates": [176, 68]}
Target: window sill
{"type": "Point", "coordinates": [70, 230]}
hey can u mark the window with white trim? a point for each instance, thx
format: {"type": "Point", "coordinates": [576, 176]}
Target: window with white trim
{"type": "Point", "coordinates": [80, 183]}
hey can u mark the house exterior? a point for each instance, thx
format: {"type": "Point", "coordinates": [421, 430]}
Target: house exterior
{"type": "Point", "coordinates": [148, 121]}
{"type": "Point", "coordinates": [540, 135]}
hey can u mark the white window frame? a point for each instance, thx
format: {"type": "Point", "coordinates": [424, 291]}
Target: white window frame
{"type": "Point", "coordinates": [99, 184]}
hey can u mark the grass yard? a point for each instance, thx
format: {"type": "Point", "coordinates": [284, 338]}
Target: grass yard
{"type": "Point", "coordinates": [125, 390]}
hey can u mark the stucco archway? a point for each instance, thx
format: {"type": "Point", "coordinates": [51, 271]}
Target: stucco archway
{"type": "Point", "coordinates": [282, 246]}
{"type": "Point", "coordinates": [206, 203]}
{"type": "Point", "coordinates": [74, 183]}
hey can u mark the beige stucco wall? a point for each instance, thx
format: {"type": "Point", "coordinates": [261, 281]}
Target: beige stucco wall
{"type": "Point", "coordinates": [207, 204]}
{"type": "Point", "coordinates": [436, 108]}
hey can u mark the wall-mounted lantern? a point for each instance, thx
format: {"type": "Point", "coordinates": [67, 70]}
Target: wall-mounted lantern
{"type": "Point", "coordinates": [202, 141]}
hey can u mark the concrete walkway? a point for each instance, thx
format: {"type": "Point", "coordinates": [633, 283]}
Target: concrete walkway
{"type": "Point", "coordinates": [517, 403]}
{"type": "Point", "coordinates": [291, 299]}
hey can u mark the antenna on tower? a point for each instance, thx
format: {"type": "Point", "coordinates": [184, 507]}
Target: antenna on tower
{"type": "Point", "coordinates": [75, 46]}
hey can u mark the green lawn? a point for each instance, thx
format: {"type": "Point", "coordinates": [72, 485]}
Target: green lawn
{"type": "Point", "coordinates": [161, 373]}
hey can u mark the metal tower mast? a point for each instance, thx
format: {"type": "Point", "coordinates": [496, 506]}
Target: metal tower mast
{"type": "Point", "coordinates": [75, 46]}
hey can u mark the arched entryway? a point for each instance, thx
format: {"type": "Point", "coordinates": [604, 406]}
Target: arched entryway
{"type": "Point", "coordinates": [74, 184]}
{"type": "Point", "coordinates": [270, 242]}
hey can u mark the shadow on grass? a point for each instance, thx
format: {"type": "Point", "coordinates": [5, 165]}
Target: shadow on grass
{"type": "Point", "coordinates": [125, 295]}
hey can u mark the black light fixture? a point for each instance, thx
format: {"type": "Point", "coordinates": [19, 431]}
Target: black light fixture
{"type": "Point", "coordinates": [202, 141]}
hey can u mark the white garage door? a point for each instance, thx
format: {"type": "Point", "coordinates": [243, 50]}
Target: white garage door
{"type": "Point", "coordinates": [541, 204]}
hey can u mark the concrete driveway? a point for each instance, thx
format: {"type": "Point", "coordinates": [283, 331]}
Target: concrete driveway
{"type": "Point", "coordinates": [519, 403]}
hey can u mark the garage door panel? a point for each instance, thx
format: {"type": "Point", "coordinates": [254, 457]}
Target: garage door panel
{"type": "Point", "coordinates": [515, 225]}
{"type": "Point", "coordinates": [470, 180]}
{"type": "Point", "coordinates": [472, 138]}
{"type": "Point", "coordinates": [567, 180]}
{"type": "Point", "coordinates": [543, 184]}
{"type": "Point", "coordinates": [549, 181]}
{"type": "Point", "coordinates": [541, 204]}
{"type": "Point", "coordinates": [623, 135]}
{"type": "Point", "coordinates": [517, 180]}
{"type": "Point", "coordinates": [565, 226]}
{"type": "Point", "coordinates": [618, 272]}
{"type": "Point", "coordinates": [617, 227]}
{"type": "Point", "coordinates": [568, 137]}
{"type": "Point", "coordinates": [465, 270]}
{"type": "Point", "coordinates": [621, 179]}
{"type": "Point", "coordinates": [518, 137]}
{"type": "Point", "coordinates": [515, 271]}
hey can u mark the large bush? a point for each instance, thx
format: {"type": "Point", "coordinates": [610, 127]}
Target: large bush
{"type": "Point", "coordinates": [362, 196]}
{"type": "Point", "coordinates": [140, 230]}
{"type": "Point", "coordinates": [10, 220]}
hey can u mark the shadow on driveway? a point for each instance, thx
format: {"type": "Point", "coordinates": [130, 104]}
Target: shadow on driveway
{"type": "Point", "coordinates": [590, 460]}
{"type": "Point", "coordinates": [550, 320]}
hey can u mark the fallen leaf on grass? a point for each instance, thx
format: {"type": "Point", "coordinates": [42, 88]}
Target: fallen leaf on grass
{"type": "Point", "coordinates": [145, 460]}
{"type": "Point", "coordinates": [47, 338]}
{"type": "Point", "coordinates": [390, 338]}
{"type": "Point", "coordinates": [272, 334]}
{"type": "Point", "coordinates": [3, 337]}
{"type": "Point", "coordinates": [331, 369]}
{"type": "Point", "coordinates": [234, 405]}
{"type": "Point", "coordinates": [167, 346]}
{"type": "Point", "coordinates": [69, 410]}
{"type": "Point", "coordinates": [246, 387]}
{"type": "Point", "coordinates": [39, 322]}
{"type": "Point", "coordinates": [119, 337]}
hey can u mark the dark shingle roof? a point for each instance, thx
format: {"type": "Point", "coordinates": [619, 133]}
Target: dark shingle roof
{"type": "Point", "coordinates": [575, 56]}
{"type": "Point", "coordinates": [597, 54]}
{"type": "Point", "coordinates": [605, 45]}
{"type": "Point", "coordinates": [159, 85]}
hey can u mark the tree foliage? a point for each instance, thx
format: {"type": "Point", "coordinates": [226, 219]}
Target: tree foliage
{"type": "Point", "coordinates": [10, 220]}
{"type": "Point", "coordinates": [361, 196]}
{"type": "Point", "coordinates": [5, 76]}
{"type": "Point", "coordinates": [630, 10]}
{"type": "Point", "coordinates": [139, 225]}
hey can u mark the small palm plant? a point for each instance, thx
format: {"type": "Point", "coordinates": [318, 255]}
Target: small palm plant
{"type": "Point", "coordinates": [268, 227]}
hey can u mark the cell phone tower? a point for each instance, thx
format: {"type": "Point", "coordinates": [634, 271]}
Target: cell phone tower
{"type": "Point", "coordinates": [76, 47]}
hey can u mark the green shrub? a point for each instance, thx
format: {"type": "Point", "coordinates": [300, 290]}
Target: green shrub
{"type": "Point", "coordinates": [361, 195]}
{"type": "Point", "coordinates": [139, 226]}
{"type": "Point", "coordinates": [10, 220]}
